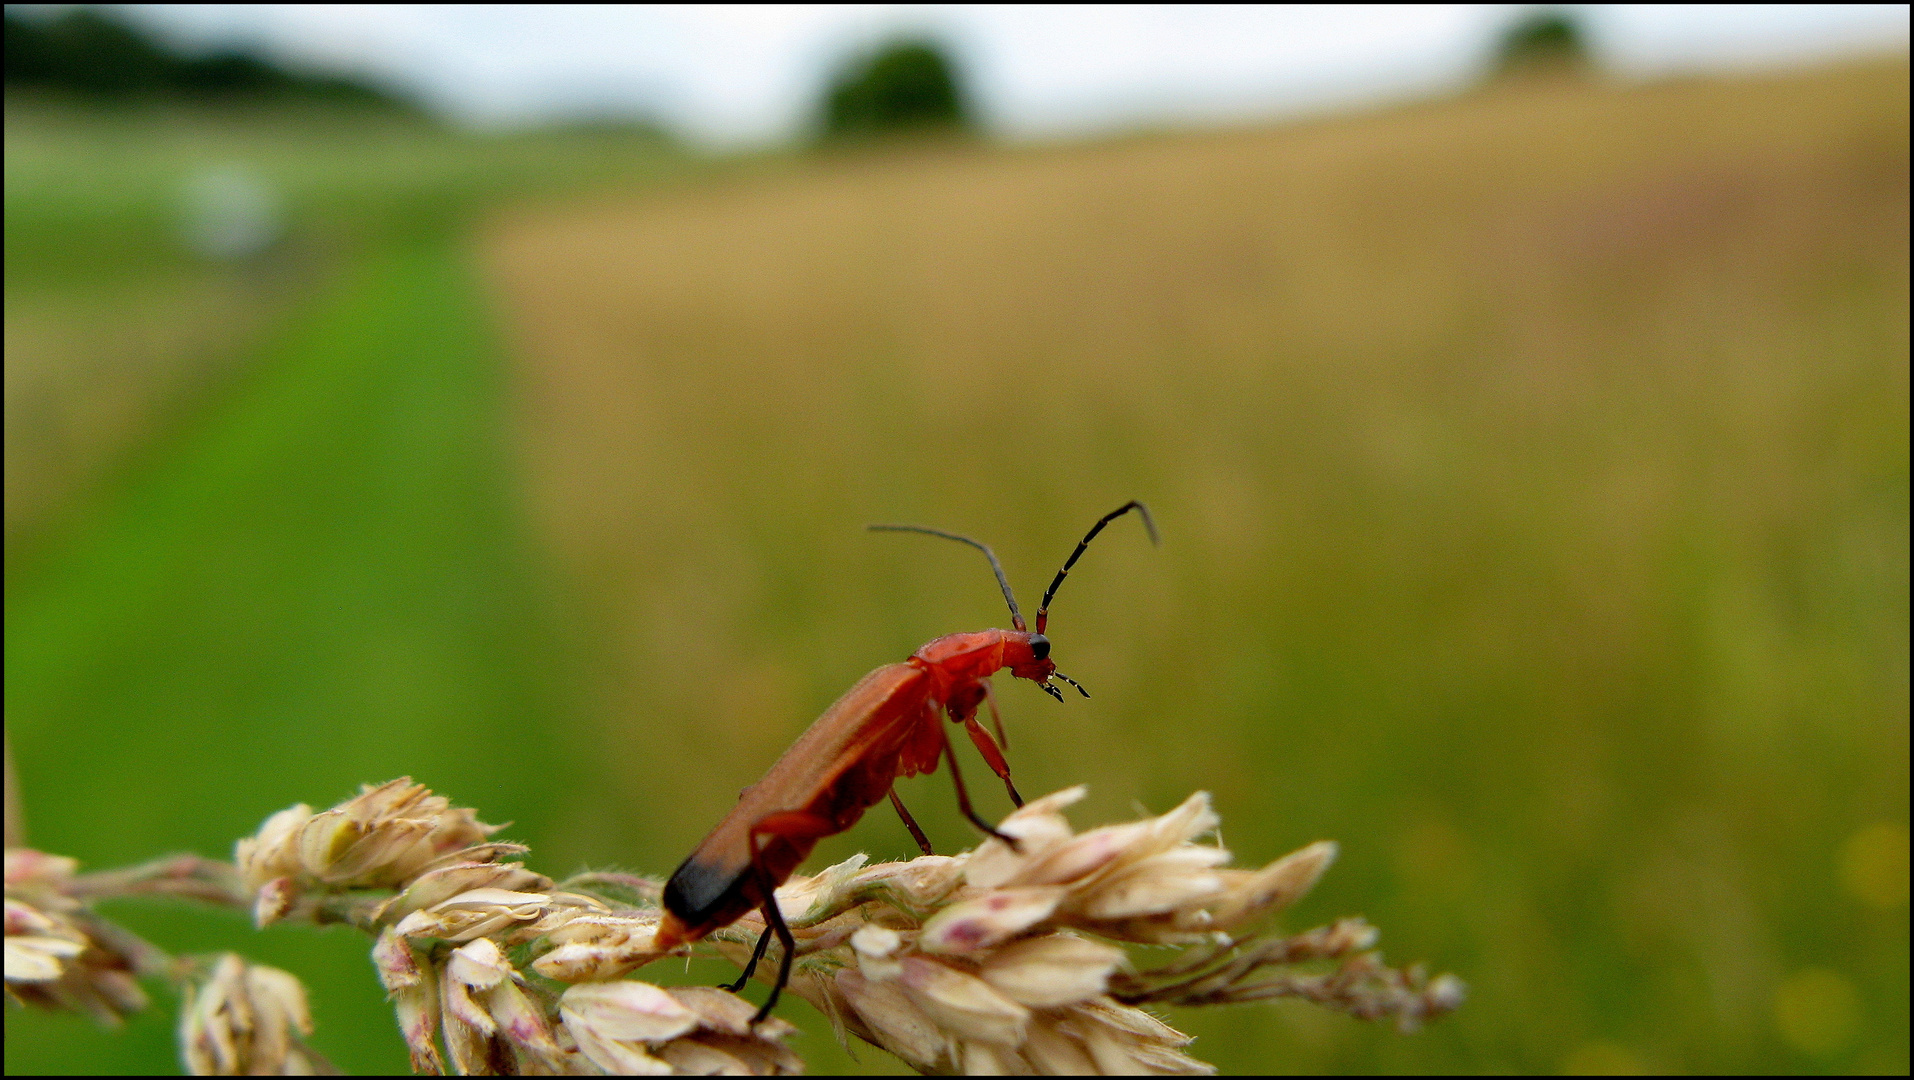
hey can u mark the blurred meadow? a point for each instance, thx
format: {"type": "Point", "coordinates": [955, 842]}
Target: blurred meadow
{"type": "Point", "coordinates": [1532, 467]}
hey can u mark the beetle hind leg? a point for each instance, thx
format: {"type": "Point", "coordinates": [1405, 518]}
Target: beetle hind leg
{"type": "Point", "coordinates": [751, 968]}
{"type": "Point", "coordinates": [923, 842]}
{"type": "Point", "coordinates": [793, 824]}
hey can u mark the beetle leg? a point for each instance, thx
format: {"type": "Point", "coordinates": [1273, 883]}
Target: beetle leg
{"type": "Point", "coordinates": [791, 823]}
{"type": "Point", "coordinates": [773, 924]}
{"type": "Point", "coordinates": [923, 842]}
{"type": "Point", "coordinates": [992, 757]}
{"type": "Point", "coordinates": [963, 797]}
{"type": "Point", "coordinates": [751, 968]}
{"type": "Point", "coordinates": [997, 720]}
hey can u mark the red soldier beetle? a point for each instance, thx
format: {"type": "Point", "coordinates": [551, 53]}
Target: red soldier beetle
{"type": "Point", "coordinates": [849, 760]}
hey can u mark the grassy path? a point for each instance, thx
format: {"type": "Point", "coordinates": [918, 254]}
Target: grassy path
{"type": "Point", "coordinates": [314, 587]}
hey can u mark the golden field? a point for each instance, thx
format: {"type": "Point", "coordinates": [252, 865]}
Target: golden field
{"type": "Point", "coordinates": [1532, 468]}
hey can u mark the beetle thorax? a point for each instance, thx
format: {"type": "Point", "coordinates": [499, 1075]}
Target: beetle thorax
{"type": "Point", "coordinates": [959, 658]}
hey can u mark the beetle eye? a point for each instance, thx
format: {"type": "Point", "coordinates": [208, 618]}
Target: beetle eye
{"type": "Point", "coordinates": [1040, 646]}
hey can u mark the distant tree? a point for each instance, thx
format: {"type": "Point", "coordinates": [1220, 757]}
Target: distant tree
{"type": "Point", "coordinates": [1544, 43]}
{"type": "Point", "coordinates": [85, 51]}
{"type": "Point", "coordinates": [906, 85]}
{"type": "Point", "coordinates": [92, 52]}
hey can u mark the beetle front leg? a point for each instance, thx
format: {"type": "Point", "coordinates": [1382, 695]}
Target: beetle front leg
{"type": "Point", "coordinates": [992, 756]}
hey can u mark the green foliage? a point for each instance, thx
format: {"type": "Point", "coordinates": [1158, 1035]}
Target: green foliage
{"type": "Point", "coordinates": [92, 52]}
{"type": "Point", "coordinates": [904, 86]}
{"type": "Point", "coordinates": [1543, 42]}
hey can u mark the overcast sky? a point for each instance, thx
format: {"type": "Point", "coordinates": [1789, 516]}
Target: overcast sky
{"type": "Point", "coordinates": [751, 74]}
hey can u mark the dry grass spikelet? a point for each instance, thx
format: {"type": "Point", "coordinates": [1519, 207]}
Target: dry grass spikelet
{"type": "Point", "coordinates": [1011, 959]}
{"type": "Point", "coordinates": [384, 837]}
{"type": "Point", "coordinates": [59, 955]}
{"type": "Point", "coordinates": [1008, 958]}
{"type": "Point", "coordinates": [244, 1019]}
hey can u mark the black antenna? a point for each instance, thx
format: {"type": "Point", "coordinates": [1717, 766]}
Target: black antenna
{"type": "Point", "coordinates": [1016, 617]}
{"type": "Point", "coordinates": [1043, 609]}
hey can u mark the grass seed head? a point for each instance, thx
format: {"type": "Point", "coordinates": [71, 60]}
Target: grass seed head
{"type": "Point", "coordinates": [242, 1019]}
{"type": "Point", "coordinates": [381, 838]}
{"type": "Point", "coordinates": [59, 955]}
{"type": "Point", "coordinates": [635, 1028]}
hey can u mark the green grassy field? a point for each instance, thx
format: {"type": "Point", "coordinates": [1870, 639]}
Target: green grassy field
{"type": "Point", "coordinates": [260, 520]}
{"type": "Point", "coordinates": [116, 328]}
{"type": "Point", "coordinates": [1532, 468]}
{"type": "Point", "coordinates": [319, 582]}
